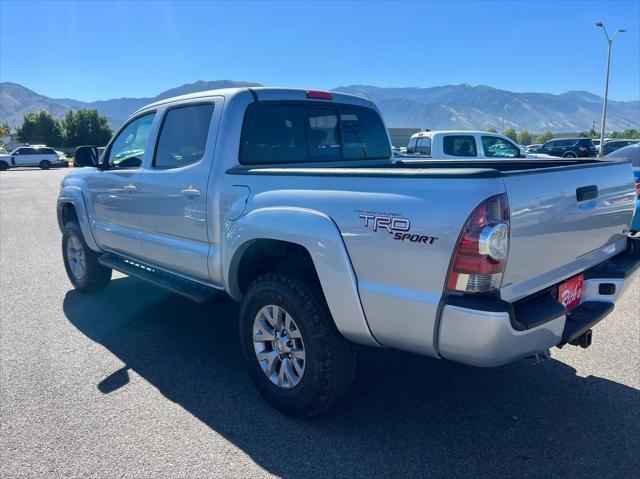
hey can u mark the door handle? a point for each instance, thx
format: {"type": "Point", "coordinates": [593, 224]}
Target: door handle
{"type": "Point", "coordinates": [585, 193]}
{"type": "Point", "coordinates": [130, 188]}
{"type": "Point", "coordinates": [190, 192]}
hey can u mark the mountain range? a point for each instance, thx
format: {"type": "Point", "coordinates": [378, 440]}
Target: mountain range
{"type": "Point", "coordinates": [442, 107]}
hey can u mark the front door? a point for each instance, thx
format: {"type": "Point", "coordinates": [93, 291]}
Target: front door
{"type": "Point", "coordinates": [114, 189]}
{"type": "Point", "coordinates": [173, 188]}
{"type": "Point", "coordinates": [25, 157]}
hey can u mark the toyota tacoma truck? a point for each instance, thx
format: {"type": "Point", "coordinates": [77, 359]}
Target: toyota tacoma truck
{"type": "Point", "coordinates": [292, 203]}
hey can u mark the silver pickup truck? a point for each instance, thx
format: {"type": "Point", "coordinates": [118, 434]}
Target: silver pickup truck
{"type": "Point", "coordinates": [291, 202]}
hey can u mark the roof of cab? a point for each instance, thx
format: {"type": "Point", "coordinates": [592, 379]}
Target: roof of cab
{"type": "Point", "coordinates": [263, 93]}
{"type": "Point", "coordinates": [453, 132]}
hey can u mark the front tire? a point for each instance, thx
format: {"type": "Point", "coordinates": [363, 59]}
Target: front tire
{"type": "Point", "coordinates": [294, 353]}
{"type": "Point", "coordinates": [83, 268]}
{"type": "Point", "coordinates": [45, 165]}
{"type": "Point", "coordinates": [4, 165]}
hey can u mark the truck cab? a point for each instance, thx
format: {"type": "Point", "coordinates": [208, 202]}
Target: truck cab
{"type": "Point", "coordinates": [457, 144]}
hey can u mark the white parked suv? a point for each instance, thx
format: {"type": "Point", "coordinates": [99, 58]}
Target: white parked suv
{"type": "Point", "coordinates": [39, 156]}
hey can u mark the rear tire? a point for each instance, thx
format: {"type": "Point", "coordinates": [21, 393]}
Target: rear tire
{"type": "Point", "coordinates": [45, 164]}
{"type": "Point", "coordinates": [569, 155]}
{"type": "Point", "coordinates": [324, 374]}
{"type": "Point", "coordinates": [85, 272]}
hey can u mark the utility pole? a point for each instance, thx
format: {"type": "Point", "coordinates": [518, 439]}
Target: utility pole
{"type": "Point", "coordinates": [606, 84]}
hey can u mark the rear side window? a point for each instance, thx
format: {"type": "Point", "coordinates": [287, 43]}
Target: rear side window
{"type": "Point", "coordinates": [459, 145]}
{"type": "Point", "coordinates": [423, 147]}
{"type": "Point", "coordinates": [588, 142]}
{"type": "Point", "coordinates": [183, 136]}
{"type": "Point", "coordinates": [298, 133]}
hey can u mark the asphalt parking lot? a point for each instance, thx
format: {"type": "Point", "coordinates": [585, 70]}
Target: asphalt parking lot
{"type": "Point", "coordinates": [137, 382]}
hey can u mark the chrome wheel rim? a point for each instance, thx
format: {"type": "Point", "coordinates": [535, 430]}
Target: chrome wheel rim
{"type": "Point", "coordinates": [75, 258]}
{"type": "Point", "coordinates": [278, 345]}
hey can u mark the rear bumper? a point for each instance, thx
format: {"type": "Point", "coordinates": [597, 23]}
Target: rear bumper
{"type": "Point", "coordinates": [490, 332]}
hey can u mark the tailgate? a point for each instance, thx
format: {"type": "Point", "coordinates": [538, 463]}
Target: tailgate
{"type": "Point", "coordinates": [563, 221]}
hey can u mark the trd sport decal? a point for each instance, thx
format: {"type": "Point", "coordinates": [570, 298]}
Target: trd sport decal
{"type": "Point", "coordinates": [393, 224]}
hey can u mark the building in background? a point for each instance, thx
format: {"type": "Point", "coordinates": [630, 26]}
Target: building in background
{"type": "Point", "coordinates": [400, 136]}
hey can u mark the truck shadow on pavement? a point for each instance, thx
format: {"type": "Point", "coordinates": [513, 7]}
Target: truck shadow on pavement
{"type": "Point", "coordinates": [405, 416]}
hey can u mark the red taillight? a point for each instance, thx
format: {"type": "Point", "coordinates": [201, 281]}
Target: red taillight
{"type": "Point", "coordinates": [638, 186]}
{"type": "Point", "coordinates": [480, 256]}
{"type": "Point", "coordinates": [319, 95]}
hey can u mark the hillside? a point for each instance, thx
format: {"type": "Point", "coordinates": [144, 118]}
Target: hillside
{"type": "Point", "coordinates": [442, 107]}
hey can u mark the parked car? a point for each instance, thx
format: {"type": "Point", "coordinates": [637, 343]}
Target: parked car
{"type": "Point", "coordinates": [533, 148]}
{"type": "Point", "coordinates": [632, 153]}
{"type": "Point", "coordinates": [63, 158]}
{"type": "Point", "coordinates": [569, 148]}
{"type": "Point", "coordinates": [613, 145]}
{"type": "Point", "coordinates": [292, 203]}
{"type": "Point", "coordinates": [457, 144]}
{"type": "Point", "coordinates": [86, 155]}
{"type": "Point", "coordinates": [3, 151]}
{"type": "Point", "coordinates": [39, 156]}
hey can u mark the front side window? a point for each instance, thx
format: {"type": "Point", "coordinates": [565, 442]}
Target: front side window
{"type": "Point", "coordinates": [363, 134]}
{"type": "Point", "coordinates": [128, 148]}
{"type": "Point", "coordinates": [459, 145]}
{"type": "Point", "coordinates": [297, 133]}
{"type": "Point", "coordinates": [411, 147]}
{"type": "Point", "coordinates": [496, 147]}
{"type": "Point", "coordinates": [183, 136]}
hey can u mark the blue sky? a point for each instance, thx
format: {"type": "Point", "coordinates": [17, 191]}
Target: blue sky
{"type": "Point", "coordinates": [101, 50]}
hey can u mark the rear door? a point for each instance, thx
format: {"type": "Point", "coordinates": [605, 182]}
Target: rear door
{"type": "Point", "coordinates": [173, 189]}
{"type": "Point", "coordinates": [23, 157]}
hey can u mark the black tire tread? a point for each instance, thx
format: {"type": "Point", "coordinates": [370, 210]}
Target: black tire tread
{"type": "Point", "coordinates": [98, 276]}
{"type": "Point", "coordinates": [338, 364]}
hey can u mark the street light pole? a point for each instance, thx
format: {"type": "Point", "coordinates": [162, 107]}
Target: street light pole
{"type": "Point", "coordinates": [504, 108]}
{"type": "Point", "coordinates": [606, 84]}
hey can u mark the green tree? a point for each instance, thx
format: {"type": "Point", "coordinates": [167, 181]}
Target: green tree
{"type": "Point", "coordinates": [39, 128]}
{"type": "Point", "coordinates": [524, 137]}
{"type": "Point", "coordinates": [544, 137]}
{"type": "Point", "coordinates": [86, 127]}
{"type": "Point", "coordinates": [491, 129]}
{"type": "Point", "coordinates": [629, 133]}
{"type": "Point", "coordinates": [511, 133]}
{"type": "Point", "coordinates": [5, 129]}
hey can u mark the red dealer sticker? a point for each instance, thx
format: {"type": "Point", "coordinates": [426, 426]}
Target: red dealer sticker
{"type": "Point", "coordinates": [570, 292]}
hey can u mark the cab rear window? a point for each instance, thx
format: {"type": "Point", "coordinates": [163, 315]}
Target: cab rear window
{"type": "Point", "coordinates": [280, 132]}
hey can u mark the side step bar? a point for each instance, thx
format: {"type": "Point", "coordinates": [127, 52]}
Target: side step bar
{"type": "Point", "coordinates": [174, 283]}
